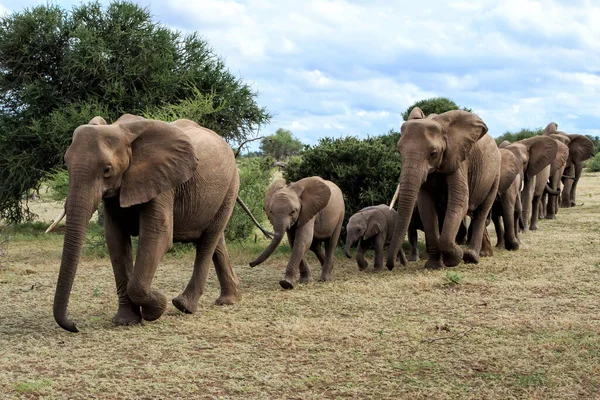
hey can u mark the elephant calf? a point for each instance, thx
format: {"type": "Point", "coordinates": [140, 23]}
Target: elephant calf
{"type": "Point", "coordinates": [371, 226]}
{"type": "Point", "coordinates": [311, 211]}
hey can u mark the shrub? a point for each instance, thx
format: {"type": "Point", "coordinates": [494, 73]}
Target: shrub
{"type": "Point", "coordinates": [255, 176]}
{"type": "Point", "coordinates": [366, 171]}
{"type": "Point", "coordinates": [522, 134]}
{"type": "Point", "coordinates": [435, 105]}
{"type": "Point", "coordinates": [593, 164]}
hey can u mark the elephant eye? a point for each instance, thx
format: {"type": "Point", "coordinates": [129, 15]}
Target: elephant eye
{"type": "Point", "coordinates": [433, 153]}
{"type": "Point", "coordinates": [293, 212]}
{"type": "Point", "coordinates": [107, 170]}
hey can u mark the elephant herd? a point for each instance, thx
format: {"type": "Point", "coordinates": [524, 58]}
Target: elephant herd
{"type": "Point", "coordinates": [178, 182]}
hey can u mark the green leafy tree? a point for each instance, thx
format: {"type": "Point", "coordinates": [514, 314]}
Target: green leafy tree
{"type": "Point", "coordinates": [522, 134]}
{"type": "Point", "coordinates": [366, 171]}
{"type": "Point", "coordinates": [435, 105]}
{"type": "Point", "coordinates": [60, 68]}
{"type": "Point", "coordinates": [281, 145]}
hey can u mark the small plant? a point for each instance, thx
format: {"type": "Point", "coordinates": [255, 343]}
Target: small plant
{"type": "Point", "coordinates": [453, 278]}
{"type": "Point", "coordinates": [96, 292]}
{"type": "Point", "coordinates": [593, 164]}
{"type": "Point", "coordinates": [537, 378]}
{"type": "Point", "coordinates": [31, 387]}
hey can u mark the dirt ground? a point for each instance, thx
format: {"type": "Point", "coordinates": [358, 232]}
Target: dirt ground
{"type": "Point", "coordinates": [520, 325]}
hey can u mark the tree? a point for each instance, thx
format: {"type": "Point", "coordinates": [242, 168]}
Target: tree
{"type": "Point", "coordinates": [435, 105]}
{"type": "Point", "coordinates": [367, 171]}
{"type": "Point", "coordinates": [59, 68]}
{"type": "Point", "coordinates": [522, 134]}
{"type": "Point", "coordinates": [281, 145]}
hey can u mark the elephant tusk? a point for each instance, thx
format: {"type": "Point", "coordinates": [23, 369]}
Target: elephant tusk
{"type": "Point", "coordinates": [395, 197]}
{"type": "Point", "coordinates": [57, 220]}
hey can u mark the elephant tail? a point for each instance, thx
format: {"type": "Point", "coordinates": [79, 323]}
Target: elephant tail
{"type": "Point", "coordinates": [268, 234]}
{"type": "Point", "coordinates": [551, 191]}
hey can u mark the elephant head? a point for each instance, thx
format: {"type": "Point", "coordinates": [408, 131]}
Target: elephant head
{"type": "Point", "coordinates": [135, 159]}
{"type": "Point", "coordinates": [580, 148]}
{"type": "Point", "coordinates": [362, 226]}
{"type": "Point", "coordinates": [511, 167]}
{"type": "Point", "coordinates": [550, 129]}
{"type": "Point", "coordinates": [427, 145]}
{"type": "Point", "coordinates": [535, 154]}
{"type": "Point", "coordinates": [292, 206]}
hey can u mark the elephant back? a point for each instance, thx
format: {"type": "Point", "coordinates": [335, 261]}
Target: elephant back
{"type": "Point", "coordinates": [390, 217]}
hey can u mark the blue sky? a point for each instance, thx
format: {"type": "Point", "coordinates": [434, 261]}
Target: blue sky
{"type": "Point", "coordinates": [335, 68]}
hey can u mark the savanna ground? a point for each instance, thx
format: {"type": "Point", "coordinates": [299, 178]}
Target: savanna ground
{"type": "Point", "coordinates": [518, 325]}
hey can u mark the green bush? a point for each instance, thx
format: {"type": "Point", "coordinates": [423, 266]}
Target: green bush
{"type": "Point", "coordinates": [593, 164]}
{"type": "Point", "coordinates": [435, 105]}
{"type": "Point", "coordinates": [366, 170]}
{"type": "Point", "coordinates": [255, 176]}
{"type": "Point", "coordinates": [520, 135]}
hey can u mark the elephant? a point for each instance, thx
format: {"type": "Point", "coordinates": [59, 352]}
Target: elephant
{"type": "Point", "coordinates": [311, 212]}
{"type": "Point", "coordinates": [448, 161]}
{"type": "Point", "coordinates": [162, 182]}
{"type": "Point", "coordinates": [580, 149]}
{"type": "Point", "coordinates": [549, 201]}
{"type": "Point", "coordinates": [536, 154]}
{"type": "Point", "coordinates": [372, 226]}
{"type": "Point", "coordinates": [506, 209]}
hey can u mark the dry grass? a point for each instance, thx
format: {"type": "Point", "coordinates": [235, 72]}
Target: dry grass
{"type": "Point", "coordinates": [518, 325]}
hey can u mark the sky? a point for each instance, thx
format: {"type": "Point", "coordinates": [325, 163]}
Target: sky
{"type": "Point", "coordinates": [337, 68]}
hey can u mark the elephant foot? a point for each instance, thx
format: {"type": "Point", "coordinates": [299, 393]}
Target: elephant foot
{"type": "Point", "coordinates": [432, 263]}
{"type": "Point", "coordinates": [471, 257]}
{"type": "Point", "coordinates": [413, 257]}
{"type": "Point", "coordinates": [487, 252]}
{"type": "Point", "coordinates": [286, 284]}
{"type": "Point", "coordinates": [379, 268]}
{"type": "Point", "coordinates": [453, 258]}
{"type": "Point", "coordinates": [402, 258]}
{"type": "Point", "coordinates": [534, 227]}
{"type": "Point", "coordinates": [305, 278]}
{"type": "Point", "coordinates": [153, 311]}
{"type": "Point", "coordinates": [325, 278]}
{"type": "Point", "coordinates": [228, 299]}
{"type": "Point", "coordinates": [550, 216]}
{"type": "Point", "coordinates": [500, 244]}
{"type": "Point", "coordinates": [511, 246]}
{"type": "Point", "coordinates": [362, 266]}
{"type": "Point", "coordinates": [184, 304]}
{"type": "Point", "coordinates": [128, 315]}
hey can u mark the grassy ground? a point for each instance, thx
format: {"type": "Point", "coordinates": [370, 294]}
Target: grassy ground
{"type": "Point", "coordinates": [518, 325]}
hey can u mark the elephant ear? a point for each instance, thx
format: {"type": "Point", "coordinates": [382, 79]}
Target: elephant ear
{"type": "Point", "coordinates": [375, 223]}
{"type": "Point", "coordinates": [97, 120]}
{"type": "Point", "coordinates": [461, 130]}
{"type": "Point", "coordinates": [432, 116]}
{"type": "Point", "coordinates": [511, 167]}
{"type": "Point", "coordinates": [275, 186]}
{"type": "Point", "coordinates": [562, 154]}
{"type": "Point", "coordinates": [314, 195]}
{"type": "Point", "coordinates": [504, 144]}
{"type": "Point", "coordinates": [542, 151]}
{"type": "Point", "coordinates": [550, 128]}
{"type": "Point", "coordinates": [416, 113]}
{"type": "Point", "coordinates": [162, 158]}
{"type": "Point", "coordinates": [580, 148]}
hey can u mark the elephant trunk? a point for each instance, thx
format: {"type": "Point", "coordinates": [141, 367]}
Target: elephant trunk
{"type": "Point", "coordinates": [350, 240]}
{"type": "Point", "coordinates": [79, 210]}
{"type": "Point", "coordinates": [270, 249]}
{"type": "Point", "coordinates": [411, 179]}
{"type": "Point", "coordinates": [551, 191]}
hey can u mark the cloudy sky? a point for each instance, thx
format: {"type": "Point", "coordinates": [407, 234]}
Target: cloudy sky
{"type": "Point", "coordinates": [332, 68]}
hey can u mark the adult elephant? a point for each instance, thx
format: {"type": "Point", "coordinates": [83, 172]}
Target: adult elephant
{"type": "Point", "coordinates": [537, 153]}
{"type": "Point", "coordinates": [450, 157]}
{"type": "Point", "coordinates": [311, 212]}
{"type": "Point", "coordinates": [549, 205]}
{"type": "Point", "coordinates": [162, 182]}
{"type": "Point", "coordinates": [580, 149]}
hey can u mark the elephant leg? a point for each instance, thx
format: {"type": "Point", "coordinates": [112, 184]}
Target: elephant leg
{"type": "Point", "coordinates": [578, 170]}
{"type": "Point", "coordinates": [121, 257]}
{"type": "Point", "coordinates": [187, 301]}
{"type": "Point", "coordinates": [330, 246]}
{"type": "Point", "coordinates": [497, 219]}
{"type": "Point", "coordinates": [535, 205]}
{"type": "Point", "coordinates": [509, 218]}
{"type": "Point", "coordinates": [360, 254]}
{"type": "Point", "coordinates": [300, 241]}
{"type": "Point", "coordinates": [517, 215]}
{"type": "Point", "coordinates": [228, 281]}
{"type": "Point", "coordinates": [543, 205]}
{"type": "Point", "coordinates": [429, 217]}
{"type": "Point", "coordinates": [318, 250]}
{"type": "Point", "coordinates": [478, 222]}
{"type": "Point", "coordinates": [155, 239]}
{"type": "Point", "coordinates": [457, 207]}
{"type": "Point", "coordinates": [527, 199]}
{"type": "Point", "coordinates": [412, 239]}
{"type": "Point", "coordinates": [305, 273]}
{"type": "Point", "coordinates": [567, 187]}
{"type": "Point", "coordinates": [378, 243]}
{"type": "Point", "coordinates": [486, 245]}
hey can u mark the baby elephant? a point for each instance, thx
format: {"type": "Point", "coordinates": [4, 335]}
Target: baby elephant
{"type": "Point", "coordinates": [371, 226]}
{"type": "Point", "coordinates": [311, 211]}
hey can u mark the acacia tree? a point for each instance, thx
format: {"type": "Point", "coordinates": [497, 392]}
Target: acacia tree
{"type": "Point", "coordinates": [60, 68]}
{"type": "Point", "coordinates": [435, 105]}
{"type": "Point", "coordinates": [281, 145]}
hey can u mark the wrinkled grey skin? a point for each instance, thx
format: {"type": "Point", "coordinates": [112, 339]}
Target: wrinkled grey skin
{"type": "Point", "coordinates": [370, 227]}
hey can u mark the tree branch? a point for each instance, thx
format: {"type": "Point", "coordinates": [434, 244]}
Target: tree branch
{"type": "Point", "coordinates": [237, 153]}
